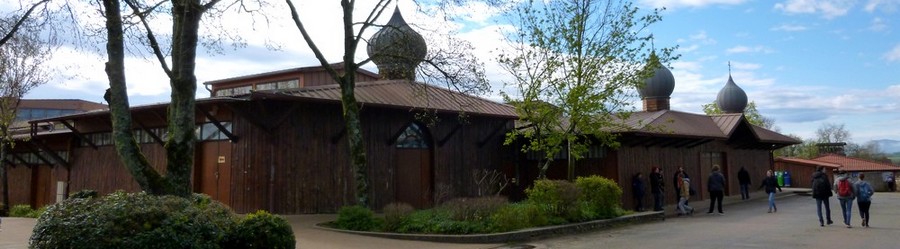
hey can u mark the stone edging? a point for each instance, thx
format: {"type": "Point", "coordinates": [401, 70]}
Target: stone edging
{"type": "Point", "coordinates": [519, 235]}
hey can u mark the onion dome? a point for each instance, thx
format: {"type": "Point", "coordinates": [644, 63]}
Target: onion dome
{"type": "Point", "coordinates": [658, 88]}
{"type": "Point", "coordinates": [731, 99]}
{"type": "Point", "coordinates": [397, 49]}
{"type": "Point", "coordinates": [660, 85]}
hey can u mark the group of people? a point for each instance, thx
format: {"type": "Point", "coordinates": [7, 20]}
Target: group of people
{"type": "Point", "coordinates": [682, 183]}
{"type": "Point", "coordinates": [846, 190]}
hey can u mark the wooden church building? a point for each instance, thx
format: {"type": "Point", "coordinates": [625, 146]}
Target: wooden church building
{"type": "Point", "coordinates": [276, 141]}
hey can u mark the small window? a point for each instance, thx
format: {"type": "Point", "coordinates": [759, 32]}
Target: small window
{"type": "Point", "coordinates": [266, 86]}
{"type": "Point", "coordinates": [412, 138]}
{"type": "Point", "coordinates": [288, 84]}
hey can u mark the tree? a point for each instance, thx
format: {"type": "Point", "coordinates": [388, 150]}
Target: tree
{"type": "Point", "coordinates": [750, 112]}
{"type": "Point", "coordinates": [573, 62]}
{"type": "Point", "coordinates": [832, 133]}
{"type": "Point", "coordinates": [807, 149]}
{"type": "Point", "coordinates": [870, 150]}
{"type": "Point", "coordinates": [22, 58]}
{"type": "Point", "coordinates": [183, 40]}
{"type": "Point", "coordinates": [453, 67]}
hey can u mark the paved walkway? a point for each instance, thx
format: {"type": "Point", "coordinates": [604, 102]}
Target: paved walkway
{"type": "Point", "coordinates": [796, 210]}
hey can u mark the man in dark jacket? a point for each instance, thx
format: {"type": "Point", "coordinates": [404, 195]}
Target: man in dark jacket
{"type": "Point", "coordinates": [821, 191]}
{"type": "Point", "coordinates": [744, 180]}
{"type": "Point", "coordinates": [716, 186]}
{"type": "Point", "coordinates": [656, 188]}
{"type": "Point", "coordinates": [637, 191]}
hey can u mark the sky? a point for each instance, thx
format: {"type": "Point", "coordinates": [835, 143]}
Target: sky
{"type": "Point", "coordinates": [803, 62]}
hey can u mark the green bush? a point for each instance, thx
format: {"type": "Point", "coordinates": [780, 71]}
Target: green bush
{"type": "Point", "coordinates": [84, 193]}
{"type": "Point", "coordinates": [21, 210]}
{"type": "Point", "coordinates": [37, 212]}
{"type": "Point", "coordinates": [557, 198]}
{"type": "Point", "coordinates": [478, 209]}
{"type": "Point", "coordinates": [394, 214]}
{"type": "Point", "coordinates": [601, 197]}
{"type": "Point", "coordinates": [517, 216]}
{"type": "Point", "coordinates": [439, 221]}
{"type": "Point", "coordinates": [357, 218]}
{"type": "Point", "coordinates": [262, 230]}
{"type": "Point", "coordinates": [134, 220]}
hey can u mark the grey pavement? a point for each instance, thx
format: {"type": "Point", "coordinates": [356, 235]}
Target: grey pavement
{"type": "Point", "coordinates": [744, 225]}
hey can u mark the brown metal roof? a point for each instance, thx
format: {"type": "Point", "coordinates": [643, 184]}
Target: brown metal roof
{"type": "Point", "coordinates": [64, 104]}
{"type": "Point", "coordinates": [336, 66]}
{"type": "Point", "coordinates": [766, 135]}
{"type": "Point", "coordinates": [405, 94]}
{"type": "Point", "coordinates": [134, 108]}
{"type": "Point", "coordinates": [856, 164]}
{"type": "Point", "coordinates": [727, 122]}
{"type": "Point", "coordinates": [668, 122]}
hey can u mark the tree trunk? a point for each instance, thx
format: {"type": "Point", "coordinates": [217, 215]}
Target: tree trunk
{"type": "Point", "coordinates": [182, 112]}
{"type": "Point", "coordinates": [570, 161]}
{"type": "Point", "coordinates": [355, 139]}
{"type": "Point", "coordinates": [117, 97]}
{"type": "Point", "coordinates": [3, 174]}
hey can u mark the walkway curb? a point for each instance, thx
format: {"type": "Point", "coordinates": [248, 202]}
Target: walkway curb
{"type": "Point", "coordinates": [519, 235]}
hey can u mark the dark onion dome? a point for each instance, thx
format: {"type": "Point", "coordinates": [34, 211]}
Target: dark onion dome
{"type": "Point", "coordinates": [660, 85]}
{"type": "Point", "coordinates": [731, 99]}
{"type": "Point", "coordinates": [397, 49]}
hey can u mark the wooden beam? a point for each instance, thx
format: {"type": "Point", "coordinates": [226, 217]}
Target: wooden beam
{"type": "Point", "coordinates": [699, 142]}
{"type": "Point", "coordinates": [149, 132]}
{"type": "Point", "coordinates": [393, 138]}
{"type": "Point", "coordinates": [218, 125]}
{"type": "Point", "coordinates": [493, 133]}
{"type": "Point", "coordinates": [81, 136]}
{"type": "Point", "coordinates": [446, 138]}
{"type": "Point", "coordinates": [37, 153]}
{"type": "Point", "coordinates": [255, 121]}
{"type": "Point", "coordinates": [8, 162]}
{"type": "Point", "coordinates": [339, 135]}
{"type": "Point", "coordinates": [21, 160]}
{"type": "Point", "coordinates": [52, 153]}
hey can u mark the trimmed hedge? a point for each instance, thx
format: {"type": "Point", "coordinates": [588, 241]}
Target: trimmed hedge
{"type": "Point", "coordinates": [262, 230]}
{"type": "Point", "coordinates": [600, 196]}
{"type": "Point", "coordinates": [134, 220]}
{"type": "Point", "coordinates": [357, 218]}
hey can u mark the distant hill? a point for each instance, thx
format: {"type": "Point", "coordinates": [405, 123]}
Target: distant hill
{"type": "Point", "coordinates": [888, 146]}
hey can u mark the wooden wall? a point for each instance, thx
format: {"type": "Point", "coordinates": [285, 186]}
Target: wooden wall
{"type": "Point", "coordinates": [300, 165]}
{"type": "Point", "coordinates": [101, 169]}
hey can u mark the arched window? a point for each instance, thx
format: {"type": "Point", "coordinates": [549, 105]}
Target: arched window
{"type": "Point", "coordinates": [412, 138]}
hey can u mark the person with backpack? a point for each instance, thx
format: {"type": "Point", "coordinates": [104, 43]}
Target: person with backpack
{"type": "Point", "coordinates": [821, 191]}
{"type": "Point", "coordinates": [715, 184]}
{"type": "Point", "coordinates": [684, 194]}
{"type": "Point", "coordinates": [846, 192]}
{"type": "Point", "coordinates": [770, 183]}
{"type": "Point", "coordinates": [864, 193]}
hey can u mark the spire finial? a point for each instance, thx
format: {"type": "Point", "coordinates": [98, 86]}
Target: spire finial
{"type": "Point", "coordinates": [729, 68]}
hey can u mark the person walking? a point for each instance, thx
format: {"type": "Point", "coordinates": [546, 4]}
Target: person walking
{"type": "Point", "coordinates": [845, 194]}
{"type": "Point", "coordinates": [637, 191]}
{"type": "Point", "coordinates": [656, 188]}
{"type": "Point", "coordinates": [864, 193]}
{"type": "Point", "coordinates": [715, 184]}
{"type": "Point", "coordinates": [770, 183]}
{"type": "Point", "coordinates": [683, 195]}
{"type": "Point", "coordinates": [821, 191]}
{"type": "Point", "coordinates": [676, 181]}
{"type": "Point", "coordinates": [744, 181]}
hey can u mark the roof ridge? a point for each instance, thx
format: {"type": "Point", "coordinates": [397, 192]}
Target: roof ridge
{"type": "Point", "coordinates": [859, 159]}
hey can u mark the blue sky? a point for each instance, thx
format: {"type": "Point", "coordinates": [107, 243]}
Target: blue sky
{"type": "Point", "coordinates": [803, 62]}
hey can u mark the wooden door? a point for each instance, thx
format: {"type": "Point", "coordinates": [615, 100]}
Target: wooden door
{"type": "Point", "coordinates": [214, 173]}
{"type": "Point", "coordinates": [43, 188]}
{"type": "Point", "coordinates": [413, 179]}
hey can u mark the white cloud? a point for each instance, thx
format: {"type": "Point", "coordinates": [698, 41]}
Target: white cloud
{"type": "Point", "coordinates": [674, 4]}
{"type": "Point", "coordinates": [745, 66]}
{"type": "Point", "coordinates": [878, 25]}
{"type": "Point", "coordinates": [827, 8]}
{"type": "Point", "coordinates": [893, 91]}
{"type": "Point", "coordinates": [789, 28]}
{"type": "Point", "coordinates": [883, 5]}
{"type": "Point", "coordinates": [747, 49]}
{"type": "Point", "coordinates": [894, 54]}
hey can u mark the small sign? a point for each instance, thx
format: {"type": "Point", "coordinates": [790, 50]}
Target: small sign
{"type": "Point", "coordinates": [221, 159]}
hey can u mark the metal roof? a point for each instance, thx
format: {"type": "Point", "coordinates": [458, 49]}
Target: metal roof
{"type": "Point", "coordinates": [856, 164]}
{"type": "Point", "coordinates": [727, 122]}
{"type": "Point", "coordinates": [676, 123]}
{"type": "Point", "coordinates": [335, 66]}
{"type": "Point", "coordinates": [404, 94]}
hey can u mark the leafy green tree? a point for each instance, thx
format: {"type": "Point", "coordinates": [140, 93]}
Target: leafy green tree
{"type": "Point", "coordinates": [832, 133]}
{"type": "Point", "coordinates": [807, 149]}
{"type": "Point", "coordinates": [750, 112]}
{"type": "Point", "coordinates": [573, 64]}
